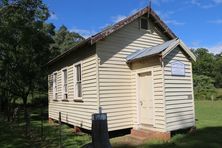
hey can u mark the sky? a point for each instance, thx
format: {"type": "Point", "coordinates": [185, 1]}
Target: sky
{"type": "Point", "coordinates": [197, 22]}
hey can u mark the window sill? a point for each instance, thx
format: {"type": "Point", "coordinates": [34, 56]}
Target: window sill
{"type": "Point", "coordinates": [55, 100]}
{"type": "Point", "coordinates": [78, 100]}
{"type": "Point", "coordinates": [65, 100]}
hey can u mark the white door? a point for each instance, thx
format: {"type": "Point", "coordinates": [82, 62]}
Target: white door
{"type": "Point", "coordinates": [146, 98]}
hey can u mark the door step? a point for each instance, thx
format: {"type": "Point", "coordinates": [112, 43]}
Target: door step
{"type": "Point", "coordinates": [143, 134]}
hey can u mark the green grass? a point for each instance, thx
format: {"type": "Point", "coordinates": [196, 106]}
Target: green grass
{"type": "Point", "coordinates": [12, 134]}
{"type": "Point", "coordinates": [208, 134]}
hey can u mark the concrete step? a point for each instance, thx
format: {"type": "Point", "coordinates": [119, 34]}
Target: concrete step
{"type": "Point", "coordinates": [148, 134]}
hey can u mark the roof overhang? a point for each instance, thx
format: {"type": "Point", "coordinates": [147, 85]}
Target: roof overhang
{"type": "Point", "coordinates": [162, 50]}
{"type": "Point", "coordinates": [182, 45]}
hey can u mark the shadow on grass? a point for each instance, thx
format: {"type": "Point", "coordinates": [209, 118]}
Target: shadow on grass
{"type": "Point", "coordinates": [12, 134]}
{"type": "Point", "coordinates": [210, 137]}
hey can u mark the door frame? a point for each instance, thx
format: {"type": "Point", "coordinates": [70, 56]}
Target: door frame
{"type": "Point", "coordinates": [138, 95]}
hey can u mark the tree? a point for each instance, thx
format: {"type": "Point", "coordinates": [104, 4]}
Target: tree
{"type": "Point", "coordinates": [218, 71]}
{"type": "Point", "coordinates": [64, 40]}
{"type": "Point", "coordinates": [24, 42]}
{"type": "Point", "coordinates": [205, 63]}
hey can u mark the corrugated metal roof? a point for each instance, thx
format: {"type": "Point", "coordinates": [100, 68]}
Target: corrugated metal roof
{"type": "Point", "coordinates": [150, 51]}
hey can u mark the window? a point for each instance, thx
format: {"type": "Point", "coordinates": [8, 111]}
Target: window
{"type": "Point", "coordinates": [144, 23]}
{"type": "Point", "coordinates": [78, 81]}
{"type": "Point", "coordinates": [65, 95]}
{"type": "Point", "coordinates": [55, 94]}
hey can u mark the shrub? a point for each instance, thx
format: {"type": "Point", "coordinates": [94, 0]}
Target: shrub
{"type": "Point", "coordinates": [204, 87]}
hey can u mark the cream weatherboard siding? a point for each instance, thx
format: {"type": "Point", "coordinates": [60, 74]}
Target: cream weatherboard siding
{"type": "Point", "coordinates": [178, 93]}
{"type": "Point", "coordinates": [75, 112]}
{"type": "Point", "coordinates": [117, 82]}
{"type": "Point", "coordinates": [152, 64]}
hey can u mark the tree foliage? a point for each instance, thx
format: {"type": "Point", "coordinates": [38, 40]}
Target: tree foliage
{"type": "Point", "coordinates": [24, 42]}
{"type": "Point", "coordinates": [207, 72]}
{"type": "Point", "coordinates": [218, 71]}
{"type": "Point", "coordinates": [64, 40]}
{"type": "Point", "coordinates": [27, 43]}
{"type": "Point", "coordinates": [205, 62]}
{"type": "Point", "coordinates": [203, 87]}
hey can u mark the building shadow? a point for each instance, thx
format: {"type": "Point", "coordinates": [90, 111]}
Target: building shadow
{"type": "Point", "coordinates": [209, 137]}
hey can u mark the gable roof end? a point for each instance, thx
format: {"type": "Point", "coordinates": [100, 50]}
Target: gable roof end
{"type": "Point", "coordinates": [101, 35]}
{"type": "Point", "coordinates": [162, 49]}
{"type": "Point", "coordinates": [182, 45]}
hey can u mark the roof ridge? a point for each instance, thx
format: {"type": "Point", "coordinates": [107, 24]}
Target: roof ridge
{"type": "Point", "coordinates": [102, 34]}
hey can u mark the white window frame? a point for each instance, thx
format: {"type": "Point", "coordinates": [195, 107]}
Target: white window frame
{"type": "Point", "coordinates": [76, 97]}
{"type": "Point", "coordinates": [55, 85]}
{"type": "Point", "coordinates": [63, 84]}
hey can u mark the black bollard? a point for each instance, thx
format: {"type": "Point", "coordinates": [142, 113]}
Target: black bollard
{"type": "Point", "coordinates": [100, 136]}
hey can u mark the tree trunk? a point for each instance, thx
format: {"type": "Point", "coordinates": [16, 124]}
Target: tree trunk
{"type": "Point", "coordinates": [26, 117]}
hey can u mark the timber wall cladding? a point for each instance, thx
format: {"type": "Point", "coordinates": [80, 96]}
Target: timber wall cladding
{"type": "Point", "coordinates": [76, 113]}
{"type": "Point", "coordinates": [178, 92]}
{"type": "Point", "coordinates": [117, 81]}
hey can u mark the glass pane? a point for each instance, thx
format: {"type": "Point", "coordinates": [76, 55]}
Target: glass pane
{"type": "Point", "coordinates": [78, 72]}
{"type": "Point", "coordinates": [55, 78]}
{"type": "Point", "coordinates": [79, 89]}
{"type": "Point", "coordinates": [144, 24]}
{"type": "Point", "coordinates": [65, 88]}
{"type": "Point", "coordinates": [65, 76]}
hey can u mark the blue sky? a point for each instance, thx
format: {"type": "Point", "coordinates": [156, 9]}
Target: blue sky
{"type": "Point", "coordinates": [197, 22]}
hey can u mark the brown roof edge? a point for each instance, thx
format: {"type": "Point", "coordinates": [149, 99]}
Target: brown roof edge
{"type": "Point", "coordinates": [162, 24]}
{"type": "Point", "coordinates": [95, 38]}
{"type": "Point", "coordinates": [130, 19]}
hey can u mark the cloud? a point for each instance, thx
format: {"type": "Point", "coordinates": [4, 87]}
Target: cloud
{"type": "Point", "coordinates": [217, 1]}
{"type": "Point", "coordinates": [216, 48]}
{"type": "Point", "coordinates": [218, 21]}
{"type": "Point", "coordinates": [83, 32]}
{"type": "Point", "coordinates": [174, 22]}
{"type": "Point", "coordinates": [166, 17]}
{"type": "Point", "coordinates": [159, 2]}
{"type": "Point", "coordinates": [118, 18]}
{"type": "Point", "coordinates": [206, 4]}
{"type": "Point", "coordinates": [53, 16]}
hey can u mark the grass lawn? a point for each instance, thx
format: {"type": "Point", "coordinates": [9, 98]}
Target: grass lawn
{"type": "Point", "coordinates": [208, 134]}
{"type": "Point", "coordinates": [12, 135]}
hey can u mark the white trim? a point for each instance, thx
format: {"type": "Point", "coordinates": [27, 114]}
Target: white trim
{"type": "Point", "coordinates": [164, 93]}
{"type": "Point", "coordinates": [74, 80]}
{"type": "Point", "coordinates": [63, 89]}
{"type": "Point", "coordinates": [194, 117]}
{"type": "Point", "coordinates": [55, 90]}
{"type": "Point", "coordinates": [187, 50]}
{"type": "Point", "coordinates": [97, 83]}
{"type": "Point", "coordinates": [183, 46]}
{"type": "Point", "coordinates": [149, 69]}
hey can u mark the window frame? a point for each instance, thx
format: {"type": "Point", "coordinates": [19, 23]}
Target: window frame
{"type": "Point", "coordinates": [76, 97]}
{"type": "Point", "coordinates": [63, 84]}
{"type": "Point", "coordinates": [144, 18]}
{"type": "Point", "coordinates": [55, 85]}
